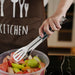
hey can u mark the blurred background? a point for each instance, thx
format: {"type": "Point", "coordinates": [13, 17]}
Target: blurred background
{"type": "Point", "coordinates": [64, 40]}
{"type": "Point", "coordinates": [62, 43]}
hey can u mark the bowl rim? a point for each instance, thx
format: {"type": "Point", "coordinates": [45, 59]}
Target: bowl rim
{"type": "Point", "coordinates": [32, 72]}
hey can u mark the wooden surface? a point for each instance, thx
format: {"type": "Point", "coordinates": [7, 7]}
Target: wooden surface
{"type": "Point", "coordinates": [61, 52]}
{"type": "Point", "coordinates": [73, 51]}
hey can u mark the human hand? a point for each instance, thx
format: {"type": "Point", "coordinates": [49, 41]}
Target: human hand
{"type": "Point", "coordinates": [53, 22]}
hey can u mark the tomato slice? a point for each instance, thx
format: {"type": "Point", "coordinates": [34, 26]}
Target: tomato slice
{"type": "Point", "coordinates": [10, 63]}
{"type": "Point", "coordinates": [25, 68]}
{"type": "Point", "coordinates": [36, 69]}
{"type": "Point", "coordinates": [42, 65]}
{"type": "Point", "coordinates": [5, 60]}
{"type": "Point", "coordinates": [4, 66]}
{"type": "Point", "coordinates": [12, 59]}
{"type": "Point", "coordinates": [25, 72]}
{"type": "Point", "coordinates": [21, 61]}
{"type": "Point", "coordinates": [19, 72]}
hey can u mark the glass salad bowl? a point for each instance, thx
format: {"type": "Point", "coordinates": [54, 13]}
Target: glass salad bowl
{"type": "Point", "coordinates": [43, 57]}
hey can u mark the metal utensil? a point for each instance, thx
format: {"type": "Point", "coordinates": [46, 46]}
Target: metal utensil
{"type": "Point", "coordinates": [24, 52]}
{"type": "Point", "coordinates": [21, 7]}
{"type": "Point", "coordinates": [14, 6]}
{"type": "Point", "coordinates": [2, 3]}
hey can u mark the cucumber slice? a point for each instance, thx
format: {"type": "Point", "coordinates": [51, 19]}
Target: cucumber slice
{"type": "Point", "coordinates": [37, 58]}
{"type": "Point", "coordinates": [16, 70]}
{"type": "Point", "coordinates": [33, 63]}
{"type": "Point", "coordinates": [17, 66]}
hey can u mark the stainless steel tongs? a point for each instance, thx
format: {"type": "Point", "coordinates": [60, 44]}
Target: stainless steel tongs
{"type": "Point", "coordinates": [25, 51]}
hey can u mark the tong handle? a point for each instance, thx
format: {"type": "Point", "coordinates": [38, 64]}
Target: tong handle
{"type": "Point", "coordinates": [39, 40]}
{"type": "Point", "coordinates": [33, 42]}
{"type": "Point", "coordinates": [63, 20]}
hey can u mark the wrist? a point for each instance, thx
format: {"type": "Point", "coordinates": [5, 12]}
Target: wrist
{"type": "Point", "coordinates": [59, 13]}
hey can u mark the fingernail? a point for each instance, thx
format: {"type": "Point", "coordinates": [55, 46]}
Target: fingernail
{"type": "Point", "coordinates": [60, 27]}
{"type": "Point", "coordinates": [41, 35]}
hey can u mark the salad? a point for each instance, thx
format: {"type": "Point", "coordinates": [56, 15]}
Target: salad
{"type": "Point", "coordinates": [31, 64]}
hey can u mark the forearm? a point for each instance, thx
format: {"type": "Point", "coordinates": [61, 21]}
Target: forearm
{"type": "Point", "coordinates": [63, 7]}
{"type": "Point", "coordinates": [54, 20]}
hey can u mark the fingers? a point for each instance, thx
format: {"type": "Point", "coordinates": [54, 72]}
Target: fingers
{"type": "Point", "coordinates": [57, 24]}
{"type": "Point", "coordinates": [54, 23]}
{"type": "Point", "coordinates": [45, 28]}
{"type": "Point", "coordinates": [41, 31]}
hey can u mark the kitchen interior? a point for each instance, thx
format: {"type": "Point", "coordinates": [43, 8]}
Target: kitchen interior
{"type": "Point", "coordinates": [62, 43]}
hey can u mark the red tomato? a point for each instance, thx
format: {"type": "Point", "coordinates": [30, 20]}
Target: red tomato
{"type": "Point", "coordinates": [10, 63]}
{"type": "Point", "coordinates": [36, 69]}
{"type": "Point", "coordinates": [26, 72]}
{"type": "Point", "coordinates": [21, 61]}
{"type": "Point", "coordinates": [42, 65]}
{"type": "Point", "coordinates": [5, 60]}
{"type": "Point", "coordinates": [4, 66]}
{"type": "Point", "coordinates": [19, 73]}
{"type": "Point", "coordinates": [12, 59]}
